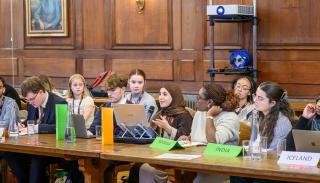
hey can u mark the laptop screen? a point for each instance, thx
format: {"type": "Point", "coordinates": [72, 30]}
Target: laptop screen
{"type": "Point", "coordinates": [130, 114]}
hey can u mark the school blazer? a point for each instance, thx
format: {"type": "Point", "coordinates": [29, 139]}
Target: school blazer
{"type": "Point", "coordinates": [48, 124]}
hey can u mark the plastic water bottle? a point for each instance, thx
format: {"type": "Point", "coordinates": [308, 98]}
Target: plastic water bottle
{"type": "Point", "coordinates": [255, 136]}
{"type": "Point", "coordinates": [13, 126]}
{"type": "Point", "coordinates": [69, 133]}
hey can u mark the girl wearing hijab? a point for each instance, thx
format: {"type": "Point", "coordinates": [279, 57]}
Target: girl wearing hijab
{"type": "Point", "coordinates": [173, 121]}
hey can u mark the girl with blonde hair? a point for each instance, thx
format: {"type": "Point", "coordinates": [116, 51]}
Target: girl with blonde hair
{"type": "Point", "coordinates": [79, 98]}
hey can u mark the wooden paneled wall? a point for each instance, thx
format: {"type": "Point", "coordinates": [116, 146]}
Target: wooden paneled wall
{"type": "Point", "coordinates": [169, 41]}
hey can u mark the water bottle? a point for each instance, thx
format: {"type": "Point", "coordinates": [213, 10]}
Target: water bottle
{"type": "Point", "coordinates": [13, 126]}
{"type": "Point", "coordinates": [255, 136]}
{"type": "Point", "coordinates": [69, 134]}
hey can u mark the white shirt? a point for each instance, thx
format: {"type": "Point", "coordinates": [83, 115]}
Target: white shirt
{"type": "Point", "coordinates": [78, 108]}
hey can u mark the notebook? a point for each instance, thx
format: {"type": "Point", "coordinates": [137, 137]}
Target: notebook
{"type": "Point", "coordinates": [306, 140]}
{"type": "Point", "coordinates": [80, 127]}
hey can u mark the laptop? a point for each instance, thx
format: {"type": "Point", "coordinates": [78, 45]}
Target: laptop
{"type": "Point", "coordinates": [132, 119]}
{"type": "Point", "coordinates": [80, 127]}
{"type": "Point", "coordinates": [130, 114]}
{"type": "Point", "coordinates": [306, 140]}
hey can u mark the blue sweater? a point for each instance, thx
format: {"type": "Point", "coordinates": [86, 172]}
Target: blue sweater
{"type": "Point", "coordinates": [6, 113]}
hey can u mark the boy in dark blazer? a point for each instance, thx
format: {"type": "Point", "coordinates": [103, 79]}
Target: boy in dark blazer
{"type": "Point", "coordinates": [41, 105]}
{"type": "Point", "coordinates": [41, 108]}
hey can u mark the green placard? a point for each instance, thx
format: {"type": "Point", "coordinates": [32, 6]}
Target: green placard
{"type": "Point", "coordinates": [165, 144]}
{"type": "Point", "coordinates": [61, 120]}
{"type": "Point", "coordinates": [222, 150]}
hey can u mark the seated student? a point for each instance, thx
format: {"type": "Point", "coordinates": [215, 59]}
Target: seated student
{"type": "Point", "coordinates": [79, 98]}
{"type": "Point", "coordinates": [115, 86]}
{"type": "Point", "coordinates": [173, 121]}
{"type": "Point", "coordinates": [41, 105]}
{"type": "Point", "coordinates": [215, 122]}
{"type": "Point", "coordinates": [41, 108]}
{"type": "Point", "coordinates": [9, 111]}
{"type": "Point", "coordinates": [48, 85]}
{"type": "Point", "coordinates": [9, 91]}
{"type": "Point", "coordinates": [137, 95]}
{"type": "Point", "coordinates": [275, 117]}
{"type": "Point", "coordinates": [244, 87]}
{"type": "Point", "coordinates": [310, 120]}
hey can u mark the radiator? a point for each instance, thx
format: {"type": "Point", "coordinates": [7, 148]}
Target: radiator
{"type": "Point", "coordinates": [190, 101]}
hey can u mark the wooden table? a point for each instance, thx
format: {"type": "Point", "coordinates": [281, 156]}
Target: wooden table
{"type": "Point", "coordinates": [265, 169]}
{"type": "Point", "coordinates": [86, 151]}
{"type": "Point", "coordinates": [93, 159]}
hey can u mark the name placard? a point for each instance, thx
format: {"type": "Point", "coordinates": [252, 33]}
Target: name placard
{"type": "Point", "coordinates": [299, 158]}
{"type": "Point", "coordinates": [165, 144]}
{"type": "Point", "coordinates": [222, 150]}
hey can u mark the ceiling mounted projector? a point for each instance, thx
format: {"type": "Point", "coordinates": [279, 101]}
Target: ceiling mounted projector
{"type": "Point", "coordinates": [225, 11]}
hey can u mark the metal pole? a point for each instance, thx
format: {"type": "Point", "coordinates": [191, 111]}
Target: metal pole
{"type": "Point", "coordinates": [212, 66]}
{"type": "Point", "coordinates": [254, 40]}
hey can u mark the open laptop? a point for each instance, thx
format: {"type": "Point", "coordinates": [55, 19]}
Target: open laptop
{"type": "Point", "coordinates": [80, 127]}
{"type": "Point", "coordinates": [306, 140]}
{"type": "Point", "coordinates": [130, 114]}
{"type": "Point", "coordinates": [132, 119]}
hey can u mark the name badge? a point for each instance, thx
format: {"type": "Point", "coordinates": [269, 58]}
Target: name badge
{"type": "Point", "coordinates": [299, 158]}
{"type": "Point", "coordinates": [222, 150]}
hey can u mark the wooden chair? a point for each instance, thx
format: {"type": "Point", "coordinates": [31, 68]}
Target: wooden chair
{"type": "Point", "coordinates": [191, 111]}
{"type": "Point", "coordinates": [6, 173]}
{"type": "Point", "coordinates": [119, 171]}
{"type": "Point", "coordinates": [245, 132]}
{"type": "Point", "coordinates": [23, 104]}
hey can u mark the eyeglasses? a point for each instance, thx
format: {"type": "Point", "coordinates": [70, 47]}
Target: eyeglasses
{"type": "Point", "coordinates": [33, 98]}
{"type": "Point", "coordinates": [258, 98]}
{"type": "Point", "coordinates": [241, 87]}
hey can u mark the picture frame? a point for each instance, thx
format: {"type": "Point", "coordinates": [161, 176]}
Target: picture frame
{"type": "Point", "coordinates": [46, 18]}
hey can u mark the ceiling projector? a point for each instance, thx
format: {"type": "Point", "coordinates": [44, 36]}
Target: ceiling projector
{"type": "Point", "coordinates": [224, 11]}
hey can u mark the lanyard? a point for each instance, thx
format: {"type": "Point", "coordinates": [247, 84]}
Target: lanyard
{"type": "Point", "coordinates": [240, 108]}
{"type": "Point", "coordinates": [139, 99]}
{"type": "Point", "coordinates": [78, 106]}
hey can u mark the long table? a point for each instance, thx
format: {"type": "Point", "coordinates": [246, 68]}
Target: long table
{"type": "Point", "coordinates": [264, 169]}
{"type": "Point", "coordinates": [94, 157]}
{"type": "Point", "coordinates": [86, 151]}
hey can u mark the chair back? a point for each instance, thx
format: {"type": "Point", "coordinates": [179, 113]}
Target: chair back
{"type": "Point", "coordinates": [244, 132]}
{"type": "Point", "coordinates": [191, 111]}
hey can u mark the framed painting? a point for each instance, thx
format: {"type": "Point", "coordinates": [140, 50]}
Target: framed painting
{"type": "Point", "coordinates": [46, 18]}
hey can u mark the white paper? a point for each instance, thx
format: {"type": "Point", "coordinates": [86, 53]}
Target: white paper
{"type": "Point", "coordinates": [184, 143]}
{"type": "Point", "coordinates": [178, 156]}
{"type": "Point", "coordinates": [299, 158]}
